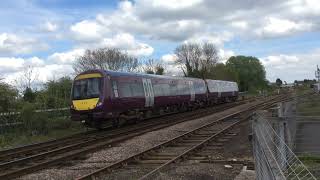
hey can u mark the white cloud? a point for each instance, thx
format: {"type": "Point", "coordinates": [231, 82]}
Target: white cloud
{"type": "Point", "coordinates": [87, 31]}
{"type": "Point", "coordinates": [225, 54]}
{"type": "Point", "coordinates": [282, 27]}
{"type": "Point", "coordinates": [217, 38]}
{"type": "Point", "coordinates": [11, 64]}
{"type": "Point", "coordinates": [239, 24]}
{"type": "Point", "coordinates": [123, 41]}
{"type": "Point", "coordinates": [12, 69]}
{"type": "Point", "coordinates": [173, 4]}
{"type": "Point", "coordinates": [169, 58]}
{"type": "Point", "coordinates": [291, 67]}
{"type": "Point", "coordinates": [304, 7]}
{"type": "Point", "coordinates": [128, 43]}
{"type": "Point", "coordinates": [171, 68]}
{"type": "Point", "coordinates": [11, 44]}
{"type": "Point", "coordinates": [66, 57]}
{"type": "Point", "coordinates": [49, 27]}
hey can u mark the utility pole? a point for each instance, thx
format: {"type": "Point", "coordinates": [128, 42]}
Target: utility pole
{"type": "Point", "coordinates": [317, 74]}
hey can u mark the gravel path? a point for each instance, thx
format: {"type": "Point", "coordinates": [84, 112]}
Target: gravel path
{"type": "Point", "coordinates": [76, 168]}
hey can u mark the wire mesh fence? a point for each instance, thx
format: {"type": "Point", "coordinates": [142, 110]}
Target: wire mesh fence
{"type": "Point", "coordinates": [14, 119]}
{"type": "Point", "coordinates": [274, 159]}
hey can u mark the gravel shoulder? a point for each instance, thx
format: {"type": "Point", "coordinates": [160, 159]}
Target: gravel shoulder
{"type": "Point", "coordinates": [78, 167]}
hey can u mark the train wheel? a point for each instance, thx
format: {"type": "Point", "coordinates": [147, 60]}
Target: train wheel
{"type": "Point", "coordinates": [98, 124]}
{"type": "Point", "coordinates": [148, 114]}
{"type": "Point", "coordinates": [115, 122]}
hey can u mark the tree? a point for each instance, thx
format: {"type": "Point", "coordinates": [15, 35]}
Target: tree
{"type": "Point", "coordinates": [29, 95]}
{"type": "Point", "coordinates": [8, 97]}
{"type": "Point", "coordinates": [251, 72]}
{"type": "Point", "coordinates": [55, 94]}
{"type": "Point", "coordinates": [278, 82]}
{"type": "Point", "coordinates": [153, 66]}
{"type": "Point", "coordinates": [221, 72]}
{"type": "Point", "coordinates": [107, 59]}
{"type": "Point", "coordinates": [27, 78]}
{"type": "Point", "coordinates": [196, 59]}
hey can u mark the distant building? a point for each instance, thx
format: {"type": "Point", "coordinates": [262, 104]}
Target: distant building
{"type": "Point", "coordinates": [287, 85]}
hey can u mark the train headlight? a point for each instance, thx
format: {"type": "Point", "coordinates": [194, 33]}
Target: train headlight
{"type": "Point", "coordinates": [72, 106]}
{"type": "Point", "coordinates": [99, 104]}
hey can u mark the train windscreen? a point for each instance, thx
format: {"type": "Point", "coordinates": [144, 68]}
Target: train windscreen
{"type": "Point", "coordinates": [86, 88]}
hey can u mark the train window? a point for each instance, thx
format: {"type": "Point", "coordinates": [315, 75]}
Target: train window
{"type": "Point", "coordinates": [137, 89]}
{"type": "Point", "coordinates": [173, 89]}
{"type": "Point", "coordinates": [158, 90]}
{"type": "Point", "coordinates": [125, 90]}
{"type": "Point", "coordinates": [87, 88]}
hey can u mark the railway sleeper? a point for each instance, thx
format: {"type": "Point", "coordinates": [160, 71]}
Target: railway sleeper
{"type": "Point", "coordinates": [196, 138]}
{"type": "Point", "coordinates": [183, 144]}
{"type": "Point", "coordinates": [192, 140]}
{"type": "Point", "coordinates": [222, 140]}
{"type": "Point", "coordinates": [166, 154]}
{"type": "Point", "coordinates": [156, 157]}
{"type": "Point", "coordinates": [197, 157]}
{"type": "Point", "coordinates": [212, 148]}
{"type": "Point", "coordinates": [158, 161]}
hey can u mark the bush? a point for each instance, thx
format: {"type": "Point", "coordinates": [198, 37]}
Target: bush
{"type": "Point", "coordinates": [59, 123]}
{"type": "Point", "coordinates": [34, 123]}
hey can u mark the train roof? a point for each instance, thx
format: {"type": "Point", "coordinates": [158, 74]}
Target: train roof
{"type": "Point", "coordinates": [117, 73]}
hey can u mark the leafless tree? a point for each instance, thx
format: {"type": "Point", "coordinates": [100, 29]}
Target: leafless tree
{"type": "Point", "coordinates": [196, 59]}
{"type": "Point", "coordinates": [107, 59]}
{"type": "Point", "coordinates": [153, 66]}
{"type": "Point", "coordinates": [27, 78]}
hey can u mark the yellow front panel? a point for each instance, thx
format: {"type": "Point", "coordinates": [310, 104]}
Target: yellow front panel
{"type": "Point", "coordinates": [85, 104]}
{"type": "Point", "coordinates": [86, 76]}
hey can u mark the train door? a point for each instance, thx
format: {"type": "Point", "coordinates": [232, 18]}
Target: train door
{"type": "Point", "coordinates": [151, 93]}
{"type": "Point", "coordinates": [148, 92]}
{"type": "Point", "coordinates": [192, 92]}
{"type": "Point", "coordinates": [219, 88]}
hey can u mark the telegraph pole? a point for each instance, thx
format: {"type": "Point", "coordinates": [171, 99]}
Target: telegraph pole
{"type": "Point", "coordinates": [317, 74]}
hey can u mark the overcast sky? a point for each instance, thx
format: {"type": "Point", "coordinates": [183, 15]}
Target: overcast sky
{"type": "Point", "coordinates": [49, 34]}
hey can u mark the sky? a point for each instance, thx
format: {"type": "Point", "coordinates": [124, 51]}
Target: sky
{"type": "Point", "coordinates": [50, 34]}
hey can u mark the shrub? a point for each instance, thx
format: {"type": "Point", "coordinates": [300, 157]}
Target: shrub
{"type": "Point", "coordinates": [34, 123]}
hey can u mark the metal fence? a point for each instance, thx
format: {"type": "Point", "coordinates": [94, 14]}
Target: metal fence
{"type": "Point", "coordinates": [274, 159]}
{"type": "Point", "coordinates": [13, 119]}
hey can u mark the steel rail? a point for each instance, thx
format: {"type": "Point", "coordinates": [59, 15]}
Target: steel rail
{"type": "Point", "coordinates": [152, 149]}
{"type": "Point", "coordinates": [85, 147]}
{"type": "Point", "coordinates": [28, 150]}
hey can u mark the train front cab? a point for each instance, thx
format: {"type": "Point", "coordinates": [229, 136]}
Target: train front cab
{"type": "Point", "coordinates": [87, 98]}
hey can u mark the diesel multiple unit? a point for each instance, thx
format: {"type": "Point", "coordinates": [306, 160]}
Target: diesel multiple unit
{"type": "Point", "coordinates": [100, 97]}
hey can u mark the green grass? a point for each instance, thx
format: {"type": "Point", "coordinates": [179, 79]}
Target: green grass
{"type": "Point", "coordinates": [311, 161]}
{"type": "Point", "coordinates": [55, 128]}
{"type": "Point", "coordinates": [311, 107]}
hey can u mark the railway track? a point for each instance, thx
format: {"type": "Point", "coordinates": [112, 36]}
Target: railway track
{"type": "Point", "coordinates": [28, 159]}
{"type": "Point", "coordinates": [146, 164]}
{"type": "Point", "coordinates": [28, 150]}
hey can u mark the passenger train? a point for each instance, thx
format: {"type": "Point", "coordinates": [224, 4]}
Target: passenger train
{"type": "Point", "coordinates": [102, 97]}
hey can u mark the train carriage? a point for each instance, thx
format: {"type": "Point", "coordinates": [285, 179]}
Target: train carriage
{"type": "Point", "coordinates": [222, 91]}
{"type": "Point", "coordinates": [100, 97]}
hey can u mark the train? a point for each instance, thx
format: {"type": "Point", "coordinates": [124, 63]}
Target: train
{"type": "Point", "coordinates": [101, 97]}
